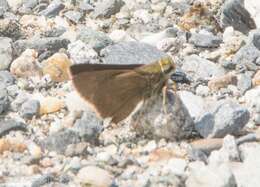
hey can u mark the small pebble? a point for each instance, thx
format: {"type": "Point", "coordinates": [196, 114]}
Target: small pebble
{"type": "Point", "coordinates": [57, 66]}
{"type": "Point", "coordinates": [50, 105]}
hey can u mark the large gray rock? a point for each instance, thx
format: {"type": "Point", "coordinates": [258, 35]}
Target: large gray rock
{"type": "Point", "coordinates": [52, 44]}
{"type": "Point", "coordinates": [131, 53]}
{"type": "Point", "coordinates": [5, 52]}
{"type": "Point", "coordinates": [195, 104]}
{"type": "Point", "coordinates": [200, 68]}
{"type": "Point", "coordinates": [204, 176]}
{"type": "Point", "coordinates": [226, 117]}
{"type": "Point", "coordinates": [234, 14]}
{"type": "Point", "coordinates": [158, 120]}
{"type": "Point", "coordinates": [205, 40]}
{"type": "Point", "coordinates": [107, 8]}
{"type": "Point", "coordinates": [95, 39]}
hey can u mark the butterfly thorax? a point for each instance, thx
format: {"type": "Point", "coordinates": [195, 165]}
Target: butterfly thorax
{"type": "Point", "coordinates": [156, 75]}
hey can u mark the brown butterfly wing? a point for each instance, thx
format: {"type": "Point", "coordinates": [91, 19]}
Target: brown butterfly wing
{"type": "Point", "coordinates": [114, 93]}
{"type": "Point", "coordinates": [78, 68]}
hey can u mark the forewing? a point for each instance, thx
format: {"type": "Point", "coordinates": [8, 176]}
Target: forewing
{"type": "Point", "coordinates": [113, 93]}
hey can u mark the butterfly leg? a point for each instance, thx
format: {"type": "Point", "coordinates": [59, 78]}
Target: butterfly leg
{"type": "Point", "coordinates": [164, 92]}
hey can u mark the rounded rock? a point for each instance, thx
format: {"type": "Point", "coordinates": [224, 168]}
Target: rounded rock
{"type": "Point", "coordinates": [30, 108]}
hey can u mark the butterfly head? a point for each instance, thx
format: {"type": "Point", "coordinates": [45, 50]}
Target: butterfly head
{"type": "Point", "coordinates": [167, 65]}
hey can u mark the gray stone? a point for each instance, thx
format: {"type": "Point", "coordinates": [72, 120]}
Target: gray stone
{"type": "Point", "coordinates": [53, 9]}
{"type": "Point", "coordinates": [202, 90]}
{"type": "Point", "coordinates": [28, 6]}
{"type": "Point", "coordinates": [257, 62]}
{"type": "Point", "coordinates": [19, 100]}
{"type": "Point", "coordinates": [195, 154]}
{"type": "Point", "coordinates": [89, 126]}
{"type": "Point", "coordinates": [74, 16]}
{"type": "Point", "coordinates": [200, 68]}
{"type": "Point", "coordinates": [226, 117]}
{"type": "Point", "coordinates": [256, 39]}
{"type": "Point", "coordinates": [5, 53]}
{"type": "Point", "coordinates": [2, 85]}
{"type": "Point", "coordinates": [4, 101]}
{"type": "Point", "coordinates": [6, 78]}
{"type": "Point", "coordinates": [205, 40]}
{"type": "Point", "coordinates": [84, 5]}
{"type": "Point", "coordinates": [4, 5]}
{"type": "Point", "coordinates": [158, 120]}
{"type": "Point", "coordinates": [64, 178]}
{"type": "Point", "coordinates": [12, 90]}
{"type": "Point", "coordinates": [2, 12]}
{"type": "Point", "coordinates": [30, 108]}
{"type": "Point", "coordinates": [10, 28]}
{"type": "Point", "coordinates": [42, 180]}
{"type": "Point", "coordinates": [234, 14]}
{"type": "Point", "coordinates": [204, 176]}
{"type": "Point", "coordinates": [10, 125]}
{"type": "Point", "coordinates": [52, 44]}
{"type": "Point", "coordinates": [40, 7]}
{"type": "Point", "coordinates": [230, 65]}
{"type": "Point", "coordinates": [156, 38]}
{"type": "Point", "coordinates": [30, 3]}
{"type": "Point", "coordinates": [59, 141]}
{"type": "Point", "coordinates": [55, 32]}
{"type": "Point", "coordinates": [107, 8]}
{"type": "Point", "coordinates": [79, 149]}
{"type": "Point", "coordinates": [205, 124]}
{"type": "Point", "coordinates": [248, 54]}
{"type": "Point", "coordinates": [75, 164]}
{"type": "Point", "coordinates": [257, 118]}
{"type": "Point", "coordinates": [195, 104]}
{"type": "Point", "coordinates": [82, 53]}
{"type": "Point", "coordinates": [97, 40]}
{"type": "Point", "coordinates": [244, 82]}
{"type": "Point", "coordinates": [131, 53]}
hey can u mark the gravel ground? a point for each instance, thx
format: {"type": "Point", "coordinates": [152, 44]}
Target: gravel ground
{"type": "Point", "coordinates": [208, 137]}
